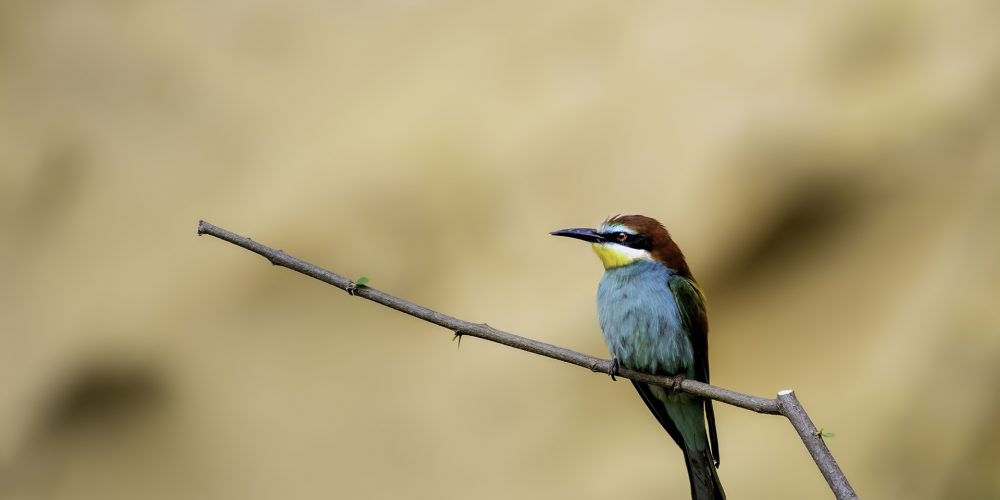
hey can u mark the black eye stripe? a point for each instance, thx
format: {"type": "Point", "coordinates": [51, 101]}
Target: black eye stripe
{"type": "Point", "coordinates": [637, 241]}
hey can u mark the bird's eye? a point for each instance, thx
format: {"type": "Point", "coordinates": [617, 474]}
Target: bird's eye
{"type": "Point", "coordinates": [621, 237]}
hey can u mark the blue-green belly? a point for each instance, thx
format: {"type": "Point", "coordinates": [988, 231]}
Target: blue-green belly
{"type": "Point", "coordinates": [640, 320]}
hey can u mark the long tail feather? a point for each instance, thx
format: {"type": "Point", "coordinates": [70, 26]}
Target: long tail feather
{"type": "Point", "coordinates": [704, 479]}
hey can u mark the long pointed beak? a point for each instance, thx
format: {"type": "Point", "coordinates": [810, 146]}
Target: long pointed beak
{"type": "Point", "coordinates": [580, 233]}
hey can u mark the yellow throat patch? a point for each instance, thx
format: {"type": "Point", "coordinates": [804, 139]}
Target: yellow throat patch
{"type": "Point", "coordinates": [613, 256]}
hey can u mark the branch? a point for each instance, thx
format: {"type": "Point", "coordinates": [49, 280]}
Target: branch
{"type": "Point", "coordinates": [813, 439]}
{"type": "Point", "coordinates": [786, 404]}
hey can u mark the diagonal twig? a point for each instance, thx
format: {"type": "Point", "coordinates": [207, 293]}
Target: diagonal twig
{"type": "Point", "coordinates": [786, 403]}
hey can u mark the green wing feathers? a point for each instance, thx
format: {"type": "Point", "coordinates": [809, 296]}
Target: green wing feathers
{"type": "Point", "coordinates": [691, 305]}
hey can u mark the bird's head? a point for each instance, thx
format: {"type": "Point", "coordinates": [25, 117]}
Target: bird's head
{"type": "Point", "coordinates": [624, 239]}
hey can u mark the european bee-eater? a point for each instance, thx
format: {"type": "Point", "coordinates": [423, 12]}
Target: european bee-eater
{"type": "Point", "coordinates": [652, 315]}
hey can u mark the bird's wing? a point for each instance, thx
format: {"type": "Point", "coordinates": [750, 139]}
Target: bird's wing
{"type": "Point", "coordinates": [691, 305]}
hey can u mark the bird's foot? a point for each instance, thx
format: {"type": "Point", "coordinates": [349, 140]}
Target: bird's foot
{"type": "Point", "coordinates": [352, 288]}
{"type": "Point", "coordinates": [675, 384]}
{"type": "Point", "coordinates": [615, 366]}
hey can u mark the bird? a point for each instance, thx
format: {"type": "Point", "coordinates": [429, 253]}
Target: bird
{"type": "Point", "coordinates": [653, 319]}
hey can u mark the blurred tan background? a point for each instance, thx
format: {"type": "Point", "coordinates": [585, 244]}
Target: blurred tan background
{"type": "Point", "coordinates": [832, 172]}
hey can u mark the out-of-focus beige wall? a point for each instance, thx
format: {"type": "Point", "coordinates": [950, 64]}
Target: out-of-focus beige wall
{"type": "Point", "coordinates": [832, 172]}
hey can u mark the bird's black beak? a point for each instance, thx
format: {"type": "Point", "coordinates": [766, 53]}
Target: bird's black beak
{"type": "Point", "coordinates": [580, 233]}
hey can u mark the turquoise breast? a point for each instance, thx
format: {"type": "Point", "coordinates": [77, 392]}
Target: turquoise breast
{"type": "Point", "coordinates": [640, 320]}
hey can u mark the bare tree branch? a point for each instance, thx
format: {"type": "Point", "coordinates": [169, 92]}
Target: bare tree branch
{"type": "Point", "coordinates": [786, 404]}
{"type": "Point", "coordinates": [813, 439]}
